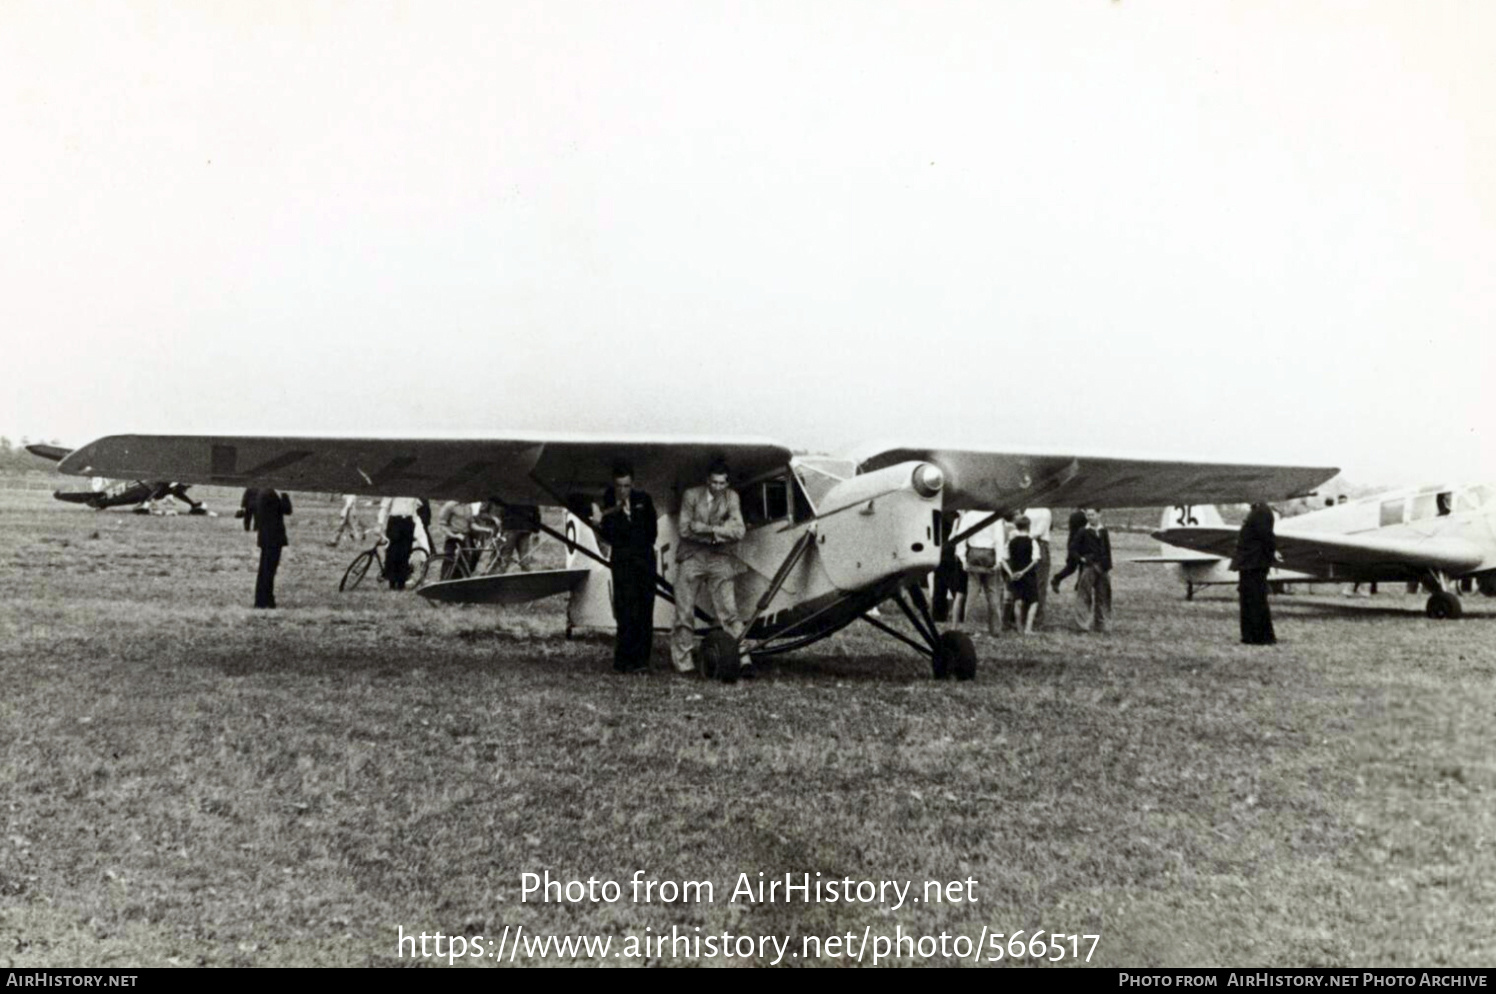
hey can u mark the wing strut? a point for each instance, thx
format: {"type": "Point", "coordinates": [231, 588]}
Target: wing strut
{"type": "Point", "coordinates": [782, 574]}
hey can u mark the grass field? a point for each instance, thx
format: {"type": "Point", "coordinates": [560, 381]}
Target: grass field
{"type": "Point", "coordinates": [186, 781]}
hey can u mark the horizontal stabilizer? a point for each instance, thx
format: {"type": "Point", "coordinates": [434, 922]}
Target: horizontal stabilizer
{"type": "Point", "coordinates": [504, 588]}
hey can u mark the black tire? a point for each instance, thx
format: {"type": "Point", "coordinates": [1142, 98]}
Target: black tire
{"type": "Point", "coordinates": [718, 659]}
{"type": "Point", "coordinates": [1444, 605]}
{"type": "Point", "coordinates": [356, 570]}
{"type": "Point", "coordinates": [960, 655]}
{"type": "Point", "coordinates": [1486, 584]}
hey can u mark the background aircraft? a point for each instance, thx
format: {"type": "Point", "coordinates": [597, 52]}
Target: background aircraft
{"type": "Point", "coordinates": [1435, 535]}
{"type": "Point", "coordinates": [1202, 569]}
{"type": "Point", "coordinates": [821, 549]}
{"type": "Point", "coordinates": [116, 493]}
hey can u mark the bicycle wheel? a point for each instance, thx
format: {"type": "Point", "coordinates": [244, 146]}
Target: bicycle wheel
{"type": "Point", "coordinates": [420, 562]}
{"type": "Point", "coordinates": [356, 570]}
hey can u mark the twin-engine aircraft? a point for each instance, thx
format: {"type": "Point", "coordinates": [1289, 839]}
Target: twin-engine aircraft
{"type": "Point", "coordinates": [1434, 535]}
{"type": "Point", "coordinates": [117, 493]}
{"type": "Point", "coordinates": [827, 539]}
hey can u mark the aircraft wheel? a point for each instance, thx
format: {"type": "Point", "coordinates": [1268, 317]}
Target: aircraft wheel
{"type": "Point", "coordinates": [956, 656]}
{"type": "Point", "coordinates": [356, 570]}
{"type": "Point", "coordinates": [718, 658]}
{"type": "Point", "coordinates": [1444, 605]}
{"type": "Point", "coordinates": [1486, 584]}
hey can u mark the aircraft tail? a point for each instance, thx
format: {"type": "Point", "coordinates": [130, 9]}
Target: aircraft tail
{"type": "Point", "coordinates": [1185, 516]}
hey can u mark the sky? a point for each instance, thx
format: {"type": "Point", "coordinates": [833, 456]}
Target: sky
{"type": "Point", "coordinates": [1247, 231]}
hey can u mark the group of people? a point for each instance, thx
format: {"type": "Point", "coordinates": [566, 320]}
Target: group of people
{"type": "Point", "coordinates": [1006, 557]}
{"type": "Point", "coordinates": [710, 526]}
{"type": "Point", "coordinates": [405, 524]}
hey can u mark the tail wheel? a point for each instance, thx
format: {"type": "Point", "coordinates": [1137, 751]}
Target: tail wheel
{"type": "Point", "coordinates": [356, 570]}
{"type": "Point", "coordinates": [955, 656]}
{"type": "Point", "coordinates": [719, 657]}
{"type": "Point", "coordinates": [1443, 605]}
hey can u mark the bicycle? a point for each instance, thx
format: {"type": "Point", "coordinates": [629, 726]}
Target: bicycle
{"type": "Point", "coordinates": [481, 559]}
{"type": "Point", "coordinates": [420, 562]}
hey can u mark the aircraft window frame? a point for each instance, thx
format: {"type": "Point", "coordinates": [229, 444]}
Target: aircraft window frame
{"type": "Point", "coordinates": [759, 507]}
{"type": "Point", "coordinates": [1467, 500]}
{"type": "Point", "coordinates": [1422, 507]}
{"type": "Point", "coordinates": [1480, 495]}
{"type": "Point", "coordinates": [1386, 516]}
{"type": "Point", "coordinates": [817, 486]}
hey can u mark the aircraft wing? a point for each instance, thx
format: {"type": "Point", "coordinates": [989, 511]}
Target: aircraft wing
{"type": "Point", "coordinates": [517, 468]}
{"type": "Point", "coordinates": [504, 588]}
{"type": "Point", "coordinates": [1338, 553]}
{"type": "Point", "coordinates": [56, 453]}
{"type": "Point", "coordinates": [991, 480]}
{"type": "Point", "coordinates": [1177, 560]}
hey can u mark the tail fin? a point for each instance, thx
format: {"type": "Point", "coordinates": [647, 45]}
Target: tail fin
{"type": "Point", "coordinates": [1189, 516]}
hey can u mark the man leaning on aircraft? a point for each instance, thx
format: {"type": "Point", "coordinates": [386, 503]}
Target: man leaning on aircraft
{"type": "Point", "coordinates": [711, 523]}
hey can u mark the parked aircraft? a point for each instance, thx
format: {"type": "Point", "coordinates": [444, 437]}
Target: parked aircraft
{"type": "Point", "coordinates": [1201, 569]}
{"type": "Point", "coordinates": [1435, 535]}
{"type": "Point", "coordinates": [117, 493]}
{"type": "Point", "coordinates": [822, 548]}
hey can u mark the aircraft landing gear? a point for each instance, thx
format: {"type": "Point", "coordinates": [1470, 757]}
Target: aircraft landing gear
{"type": "Point", "coordinates": [1189, 590]}
{"type": "Point", "coordinates": [1444, 605]}
{"type": "Point", "coordinates": [956, 656]}
{"type": "Point", "coordinates": [718, 658]}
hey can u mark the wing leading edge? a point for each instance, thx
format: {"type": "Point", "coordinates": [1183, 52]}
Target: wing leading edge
{"type": "Point", "coordinates": [984, 479]}
{"type": "Point", "coordinates": [520, 469]}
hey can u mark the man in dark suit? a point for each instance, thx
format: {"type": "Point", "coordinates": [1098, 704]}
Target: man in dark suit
{"type": "Point", "coordinates": [1256, 550]}
{"type": "Point", "coordinates": [629, 525]}
{"type": "Point", "coordinates": [267, 516]}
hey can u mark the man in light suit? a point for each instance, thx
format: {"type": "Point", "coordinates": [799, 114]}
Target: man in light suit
{"type": "Point", "coordinates": [711, 523]}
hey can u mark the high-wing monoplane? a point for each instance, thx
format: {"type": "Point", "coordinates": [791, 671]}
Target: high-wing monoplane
{"type": "Point", "coordinates": [106, 493]}
{"type": "Point", "coordinates": [827, 539]}
{"type": "Point", "coordinates": [1435, 535]}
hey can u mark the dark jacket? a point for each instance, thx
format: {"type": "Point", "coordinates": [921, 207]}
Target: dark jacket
{"type": "Point", "coordinates": [269, 518]}
{"type": "Point", "coordinates": [1256, 545]}
{"type": "Point", "coordinates": [632, 536]}
{"type": "Point", "coordinates": [247, 505]}
{"type": "Point", "coordinates": [1095, 548]}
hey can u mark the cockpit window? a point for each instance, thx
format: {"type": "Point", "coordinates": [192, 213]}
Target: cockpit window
{"type": "Point", "coordinates": [765, 501]}
{"type": "Point", "coordinates": [1469, 500]}
{"type": "Point", "coordinates": [1423, 507]}
{"type": "Point", "coordinates": [1392, 513]}
{"type": "Point", "coordinates": [1444, 503]}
